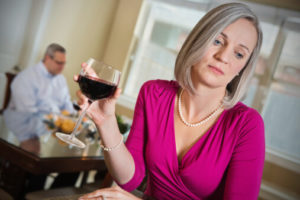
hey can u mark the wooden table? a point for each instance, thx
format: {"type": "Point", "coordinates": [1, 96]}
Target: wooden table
{"type": "Point", "coordinates": [17, 164]}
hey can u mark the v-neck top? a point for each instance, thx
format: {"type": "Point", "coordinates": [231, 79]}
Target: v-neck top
{"type": "Point", "coordinates": [225, 163]}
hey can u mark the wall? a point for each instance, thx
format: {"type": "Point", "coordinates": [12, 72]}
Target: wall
{"type": "Point", "coordinates": [121, 41]}
{"type": "Point", "coordinates": [13, 19]}
{"type": "Point", "coordinates": [82, 27]}
{"type": "Point", "coordinates": [96, 28]}
{"type": "Point", "coordinates": [28, 27]}
{"type": "Point", "coordinates": [122, 33]}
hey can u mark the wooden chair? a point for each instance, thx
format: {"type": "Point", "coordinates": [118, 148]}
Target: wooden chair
{"type": "Point", "coordinates": [5, 195]}
{"type": "Point", "coordinates": [7, 93]}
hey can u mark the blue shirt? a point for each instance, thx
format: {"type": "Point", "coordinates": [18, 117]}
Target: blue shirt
{"type": "Point", "coordinates": [34, 93]}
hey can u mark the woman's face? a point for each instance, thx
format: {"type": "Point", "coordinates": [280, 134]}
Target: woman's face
{"type": "Point", "coordinates": [226, 56]}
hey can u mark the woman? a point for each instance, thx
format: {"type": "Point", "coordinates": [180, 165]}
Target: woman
{"type": "Point", "coordinates": [192, 136]}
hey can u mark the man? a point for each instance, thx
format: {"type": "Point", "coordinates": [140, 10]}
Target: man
{"type": "Point", "coordinates": [36, 91]}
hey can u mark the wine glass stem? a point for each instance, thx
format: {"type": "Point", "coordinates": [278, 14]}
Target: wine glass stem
{"type": "Point", "coordinates": [79, 120]}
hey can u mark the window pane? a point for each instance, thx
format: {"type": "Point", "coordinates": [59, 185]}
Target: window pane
{"type": "Point", "coordinates": [249, 97]}
{"type": "Point", "coordinates": [288, 67]}
{"type": "Point", "coordinates": [270, 32]}
{"type": "Point", "coordinates": [281, 116]}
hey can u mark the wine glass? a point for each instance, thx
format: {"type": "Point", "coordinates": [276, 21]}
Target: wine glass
{"type": "Point", "coordinates": [97, 80]}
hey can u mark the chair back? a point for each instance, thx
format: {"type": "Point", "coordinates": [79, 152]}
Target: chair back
{"type": "Point", "coordinates": [5, 82]}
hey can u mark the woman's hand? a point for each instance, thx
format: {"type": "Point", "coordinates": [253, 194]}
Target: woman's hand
{"type": "Point", "coordinates": [101, 109]}
{"type": "Point", "coordinates": [114, 193]}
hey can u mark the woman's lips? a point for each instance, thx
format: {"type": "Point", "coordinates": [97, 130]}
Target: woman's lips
{"type": "Point", "coordinates": [216, 70]}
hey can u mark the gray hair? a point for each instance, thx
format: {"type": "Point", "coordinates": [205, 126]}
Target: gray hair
{"type": "Point", "coordinates": [203, 34]}
{"type": "Point", "coordinates": [52, 48]}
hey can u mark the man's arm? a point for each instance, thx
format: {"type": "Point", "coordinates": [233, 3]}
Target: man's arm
{"type": "Point", "coordinates": [23, 94]}
{"type": "Point", "coordinates": [65, 97]}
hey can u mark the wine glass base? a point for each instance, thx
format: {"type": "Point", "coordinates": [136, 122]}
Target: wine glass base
{"type": "Point", "coordinates": [70, 140]}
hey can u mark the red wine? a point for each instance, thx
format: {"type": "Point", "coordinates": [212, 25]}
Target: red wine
{"type": "Point", "coordinates": [95, 88]}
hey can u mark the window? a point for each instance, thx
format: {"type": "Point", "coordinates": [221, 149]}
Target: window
{"type": "Point", "coordinates": [274, 90]}
{"type": "Point", "coordinates": [165, 30]}
{"type": "Point", "coordinates": [281, 116]}
{"type": "Point", "coordinates": [281, 108]}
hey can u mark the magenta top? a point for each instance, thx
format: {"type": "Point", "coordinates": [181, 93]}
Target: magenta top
{"type": "Point", "coordinates": [225, 163]}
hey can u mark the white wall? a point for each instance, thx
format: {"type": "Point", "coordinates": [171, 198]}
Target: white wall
{"type": "Point", "coordinates": [13, 20]}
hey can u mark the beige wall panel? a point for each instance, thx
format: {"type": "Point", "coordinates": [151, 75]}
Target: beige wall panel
{"type": "Point", "coordinates": [82, 27]}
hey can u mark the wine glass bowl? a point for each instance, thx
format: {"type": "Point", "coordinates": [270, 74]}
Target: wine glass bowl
{"type": "Point", "coordinates": [96, 80]}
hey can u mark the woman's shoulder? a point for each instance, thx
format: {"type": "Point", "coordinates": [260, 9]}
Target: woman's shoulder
{"type": "Point", "coordinates": [158, 91]}
{"type": "Point", "coordinates": [241, 108]}
{"type": "Point", "coordinates": [242, 112]}
{"type": "Point", "coordinates": [244, 122]}
{"type": "Point", "coordinates": [161, 83]}
{"type": "Point", "coordinates": [159, 86]}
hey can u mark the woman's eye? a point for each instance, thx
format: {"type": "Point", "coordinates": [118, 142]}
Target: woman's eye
{"type": "Point", "coordinates": [217, 42]}
{"type": "Point", "coordinates": [239, 55]}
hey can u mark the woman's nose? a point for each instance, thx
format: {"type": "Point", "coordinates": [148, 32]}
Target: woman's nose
{"type": "Point", "coordinates": [222, 55]}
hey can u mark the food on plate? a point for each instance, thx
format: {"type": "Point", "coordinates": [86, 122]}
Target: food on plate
{"type": "Point", "coordinates": [65, 113]}
{"type": "Point", "coordinates": [67, 125]}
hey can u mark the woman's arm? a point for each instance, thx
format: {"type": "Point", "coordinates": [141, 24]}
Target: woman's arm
{"type": "Point", "coordinates": [102, 112]}
{"type": "Point", "coordinates": [125, 165]}
{"type": "Point", "coordinates": [119, 161]}
{"type": "Point", "coordinates": [243, 176]}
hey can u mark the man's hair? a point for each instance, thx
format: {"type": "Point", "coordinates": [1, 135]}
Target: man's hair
{"type": "Point", "coordinates": [203, 34]}
{"type": "Point", "coordinates": [52, 48]}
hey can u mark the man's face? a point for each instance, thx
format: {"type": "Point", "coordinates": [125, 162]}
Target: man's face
{"type": "Point", "coordinates": [55, 64]}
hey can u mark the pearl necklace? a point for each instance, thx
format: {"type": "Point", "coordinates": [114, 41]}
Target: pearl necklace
{"type": "Point", "coordinates": [199, 123]}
